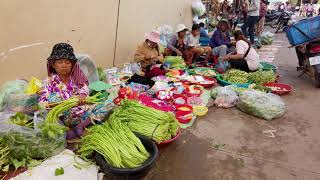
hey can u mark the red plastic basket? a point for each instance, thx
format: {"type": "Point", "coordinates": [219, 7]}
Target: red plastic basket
{"type": "Point", "coordinates": [286, 88]}
{"type": "Point", "coordinates": [214, 82]}
{"type": "Point", "coordinates": [167, 142]}
{"type": "Point", "coordinates": [182, 111]}
{"type": "Point", "coordinates": [182, 120]}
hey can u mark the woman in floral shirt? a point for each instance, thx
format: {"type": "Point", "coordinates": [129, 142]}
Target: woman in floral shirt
{"type": "Point", "coordinates": [67, 80]}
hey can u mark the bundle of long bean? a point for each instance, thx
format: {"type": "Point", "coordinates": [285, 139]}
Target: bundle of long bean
{"type": "Point", "coordinates": [157, 125]}
{"type": "Point", "coordinates": [51, 126]}
{"type": "Point", "coordinates": [116, 143]}
{"type": "Point", "coordinates": [4, 152]}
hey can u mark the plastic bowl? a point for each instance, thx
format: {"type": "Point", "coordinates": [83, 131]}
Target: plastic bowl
{"type": "Point", "coordinates": [181, 119]}
{"type": "Point", "coordinates": [167, 142]}
{"type": "Point", "coordinates": [226, 83]}
{"type": "Point", "coordinates": [286, 89]}
{"type": "Point", "coordinates": [194, 101]}
{"type": "Point", "coordinates": [134, 173]}
{"type": "Point", "coordinates": [176, 97]}
{"type": "Point", "coordinates": [210, 85]}
{"type": "Point", "coordinates": [267, 66]}
{"type": "Point", "coordinates": [200, 110]}
{"type": "Point", "coordinates": [184, 112]}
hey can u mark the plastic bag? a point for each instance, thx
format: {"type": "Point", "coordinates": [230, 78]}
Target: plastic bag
{"type": "Point", "coordinates": [222, 65]}
{"type": "Point", "coordinates": [224, 97]}
{"type": "Point", "coordinates": [27, 142]}
{"type": "Point", "coordinates": [198, 8]}
{"type": "Point", "coordinates": [66, 159]}
{"type": "Point", "coordinates": [33, 86]}
{"type": "Point", "coordinates": [88, 67]}
{"type": "Point", "coordinates": [10, 87]}
{"type": "Point", "coordinates": [166, 33]}
{"type": "Point", "coordinates": [263, 105]}
{"type": "Point", "coordinates": [23, 103]}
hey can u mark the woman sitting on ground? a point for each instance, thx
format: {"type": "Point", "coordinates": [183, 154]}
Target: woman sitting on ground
{"type": "Point", "coordinates": [66, 80]}
{"type": "Point", "coordinates": [148, 53]}
{"type": "Point", "coordinates": [178, 45]}
{"type": "Point", "coordinates": [220, 41]}
{"type": "Point", "coordinates": [246, 58]}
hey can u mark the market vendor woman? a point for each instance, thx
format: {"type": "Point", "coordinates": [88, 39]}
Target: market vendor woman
{"type": "Point", "coordinates": [66, 80]}
{"type": "Point", "coordinates": [148, 53]}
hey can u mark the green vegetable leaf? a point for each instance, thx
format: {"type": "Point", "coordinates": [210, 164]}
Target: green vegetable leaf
{"type": "Point", "coordinates": [59, 171]}
{"type": "Point", "coordinates": [17, 164]}
{"type": "Point", "coordinates": [6, 168]}
{"type": "Point", "coordinates": [33, 163]}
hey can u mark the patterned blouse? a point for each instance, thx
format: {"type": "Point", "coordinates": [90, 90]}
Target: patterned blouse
{"type": "Point", "coordinates": [56, 91]}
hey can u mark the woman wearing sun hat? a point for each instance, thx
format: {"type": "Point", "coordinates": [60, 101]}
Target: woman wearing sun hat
{"type": "Point", "coordinates": [66, 80]}
{"type": "Point", "coordinates": [148, 54]}
{"type": "Point", "coordinates": [178, 45]}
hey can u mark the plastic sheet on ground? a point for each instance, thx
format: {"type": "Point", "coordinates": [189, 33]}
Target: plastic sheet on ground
{"type": "Point", "coordinates": [66, 160]}
{"type": "Point", "coordinates": [263, 105]}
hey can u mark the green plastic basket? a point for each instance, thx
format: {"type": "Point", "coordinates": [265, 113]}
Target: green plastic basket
{"type": "Point", "coordinates": [267, 66]}
{"type": "Point", "coordinates": [226, 83]}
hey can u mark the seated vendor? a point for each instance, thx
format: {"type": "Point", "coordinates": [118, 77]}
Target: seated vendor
{"type": "Point", "coordinates": [246, 58]}
{"type": "Point", "coordinates": [178, 45]}
{"type": "Point", "coordinates": [220, 41]}
{"type": "Point", "coordinates": [194, 42]}
{"type": "Point", "coordinates": [67, 80]}
{"type": "Point", "coordinates": [148, 52]}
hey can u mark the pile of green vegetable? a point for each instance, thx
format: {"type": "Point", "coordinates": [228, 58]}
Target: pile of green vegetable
{"type": "Point", "coordinates": [175, 62]}
{"type": "Point", "coordinates": [266, 40]}
{"type": "Point", "coordinates": [264, 105]}
{"type": "Point", "coordinates": [24, 147]}
{"type": "Point", "coordinates": [21, 119]}
{"type": "Point", "coordinates": [154, 124]}
{"type": "Point", "coordinates": [116, 143]}
{"type": "Point", "coordinates": [51, 126]}
{"type": "Point", "coordinates": [262, 77]}
{"type": "Point", "coordinates": [260, 88]}
{"type": "Point", "coordinates": [102, 75]}
{"type": "Point", "coordinates": [235, 76]}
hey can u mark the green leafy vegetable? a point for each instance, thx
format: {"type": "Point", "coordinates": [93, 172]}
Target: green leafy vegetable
{"type": "Point", "coordinates": [21, 119]}
{"type": "Point", "coordinates": [59, 171]}
{"type": "Point", "coordinates": [235, 76]}
{"type": "Point", "coordinates": [262, 77]}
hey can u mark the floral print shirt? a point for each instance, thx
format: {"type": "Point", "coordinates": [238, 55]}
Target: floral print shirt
{"type": "Point", "coordinates": [55, 91]}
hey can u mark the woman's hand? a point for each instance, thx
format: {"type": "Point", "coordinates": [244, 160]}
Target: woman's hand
{"type": "Point", "coordinates": [226, 57]}
{"type": "Point", "coordinates": [179, 53]}
{"type": "Point", "coordinates": [81, 101]}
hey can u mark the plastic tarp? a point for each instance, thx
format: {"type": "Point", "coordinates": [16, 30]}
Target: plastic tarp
{"type": "Point", "coordinates": [67, 160]}
{"type": "Point", "coordinates": [88, 67]}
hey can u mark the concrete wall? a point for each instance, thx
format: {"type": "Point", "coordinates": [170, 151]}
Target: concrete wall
{"type": "Point", "coordinates": [30, 28]}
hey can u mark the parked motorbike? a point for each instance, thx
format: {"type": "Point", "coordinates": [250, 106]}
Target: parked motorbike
{"type": "Point", "coordinates": [309, 60]}
{"type": "Point", "coordinates": [272, 18]}
{"type": "Point", "coordinates": [283, 20]}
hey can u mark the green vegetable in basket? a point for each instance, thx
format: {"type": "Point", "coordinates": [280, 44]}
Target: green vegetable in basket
{"type": "Point", "coordinates": [116, 143]}
{"type": "Point", "coordinates": [235, 76]}
{"type": "Point", "coordinates": [263, 77]}
{"type": "Point", "coordinates": [154, 124]}
{"type": "Point", "coordinates": [175, 62]}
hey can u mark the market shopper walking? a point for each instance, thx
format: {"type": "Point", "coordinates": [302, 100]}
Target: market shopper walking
{"type": "Point", "coordinates": [253, 15]}
{"type": "Point", "coordinates": [261, 20]}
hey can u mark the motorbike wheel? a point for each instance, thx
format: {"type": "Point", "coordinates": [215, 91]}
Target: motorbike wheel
{"type": "Point", "coordinates": [274, 23]}
{"type": "Point", "coordinates": [317, 76]}
{"type": "Point", "coordinates": [279, 26]}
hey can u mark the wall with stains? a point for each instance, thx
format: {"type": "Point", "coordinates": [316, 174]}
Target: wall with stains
{"type": "Point", "coordinates": [29, 29]}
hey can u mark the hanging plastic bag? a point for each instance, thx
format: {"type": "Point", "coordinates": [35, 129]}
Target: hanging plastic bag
{"type": "Point", "coordinates": [10, 87]}
{"type": "Point", "coordinates": [33, 86]}
{"type": "Point", "coordinates": [198, 7]}
{"type": "Point", "coordinates": [222, 65]}
{"type": "Point", "coordinates": [88, 67]}
{"type": "Point", "coordinates": [263, 105]}
{"type": "Point", "coordinates": [224, 97]}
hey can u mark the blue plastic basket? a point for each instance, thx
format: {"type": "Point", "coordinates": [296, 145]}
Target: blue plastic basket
{"type": "Point", "coordinates": [304, 31]}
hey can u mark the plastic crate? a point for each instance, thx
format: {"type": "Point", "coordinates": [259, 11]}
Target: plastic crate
{"type": "Point", "coordinates": [304, 31]}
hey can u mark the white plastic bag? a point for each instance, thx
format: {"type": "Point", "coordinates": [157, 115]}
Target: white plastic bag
{"type": "Point", "coordinates": [198, 7]}
{"type": "Point", "coordinates": [66, 160]}
{"type": "Point", "coordinates": [224, 97]}
{"type": "Point", "coordinates": [263, 105]}
{"type": "Point", "coordinates": [88, 67]}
